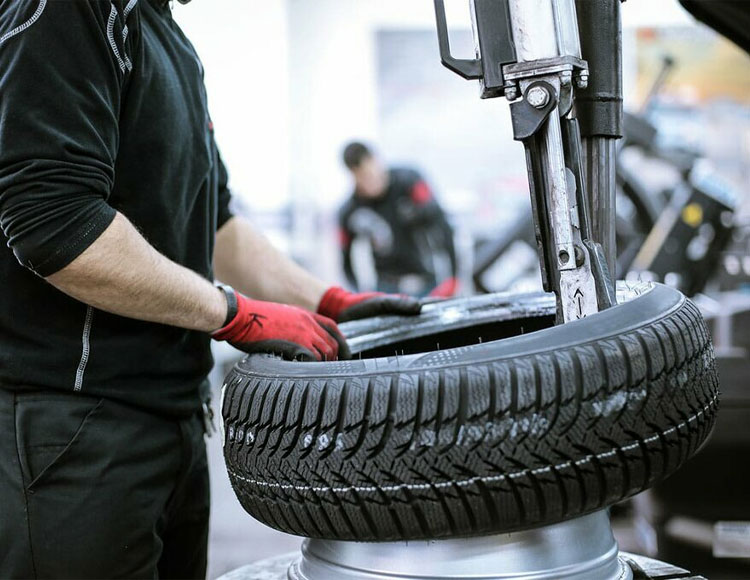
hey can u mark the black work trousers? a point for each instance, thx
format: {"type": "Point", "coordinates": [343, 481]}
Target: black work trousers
{"type": "Point", "coordinates": [92, 488]}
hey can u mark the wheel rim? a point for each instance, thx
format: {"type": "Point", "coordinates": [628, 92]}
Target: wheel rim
{"type": "Point", "coordinates": [579, 549]}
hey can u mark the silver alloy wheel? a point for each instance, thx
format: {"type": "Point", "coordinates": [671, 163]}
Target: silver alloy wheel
{"type": "Point", "coordinates": [579, 549]}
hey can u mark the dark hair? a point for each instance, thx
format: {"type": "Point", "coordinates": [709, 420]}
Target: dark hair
{"type": "Point", "coordinates": [354, 153]}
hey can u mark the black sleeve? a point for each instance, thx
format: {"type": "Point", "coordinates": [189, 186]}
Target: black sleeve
{"type": "Point", "coordinates": [224, 212]}
{"type": "Point", "coordinates": [62, 68]}
{"type": "Point", "coordinates": [346, 237]}
{"type": "Point", "coordinates": [351, 277]}
{"type": "Point", "coordinates": [418, 205]}
{"type": "Point", "coordinates": [421, 208]}
{"type": "Point", "coordinates": [450, 247]}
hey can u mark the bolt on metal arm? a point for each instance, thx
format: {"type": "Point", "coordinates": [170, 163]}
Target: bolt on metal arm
{"type": "Point", "coordinates": [544, 68]}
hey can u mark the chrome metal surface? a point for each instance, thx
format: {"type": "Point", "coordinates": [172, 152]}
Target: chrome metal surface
{"type": "Point", "coordinates": [537, 97]}
{"type": "Point", "coordinates": [650, 569]}
{"type": "Point", "coordinates": [566, 27]}
{"type": "Point", "coordinates": [577, 287]}
{"type": "Point", "coordinates": [544, 66]}
{"type": "Point", "coordinates": [277, 569]}
{"type": "Point", "coordinates": [545, 33]}
{"type": "Point", "coordinates": [534, 30]}
{"type": "Point", "coordinates": [579, 549]}
{"type": "Point", "coordinates": [599, 158]}
{"type": "Point", "coordinates": [544, 29]}
{"type": "Point", "coordinates": [576, 281]}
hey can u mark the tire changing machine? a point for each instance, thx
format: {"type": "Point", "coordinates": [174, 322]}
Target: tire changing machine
{"type": "Point", "coordinates": [567, 112]}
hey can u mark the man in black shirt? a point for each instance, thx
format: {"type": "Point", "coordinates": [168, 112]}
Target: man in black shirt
{"type": "Point", "coordinates": [115, 209]}
{"type": "Point", "coordinates": [406, 227]}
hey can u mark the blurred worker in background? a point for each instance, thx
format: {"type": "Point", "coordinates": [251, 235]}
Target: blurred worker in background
{"type": "Point", "coordinates": [406, 227]}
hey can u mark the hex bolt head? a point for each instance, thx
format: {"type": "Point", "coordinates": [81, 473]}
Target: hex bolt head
{"type": "Point", "coordinates": [582, 80]}
{"type": "Point", "coordinates": [511, 92]}
{"type": "Point", "coordinates": [537, 97]}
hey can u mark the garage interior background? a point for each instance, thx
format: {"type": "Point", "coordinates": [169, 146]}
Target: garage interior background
{"type": "Point", "coordinates": [291, 81]}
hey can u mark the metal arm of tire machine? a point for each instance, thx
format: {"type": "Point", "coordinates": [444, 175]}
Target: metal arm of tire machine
{"type": "Point", "coordinates": [567, 111]}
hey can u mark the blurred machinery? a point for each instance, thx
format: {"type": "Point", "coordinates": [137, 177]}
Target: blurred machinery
{"type": "Point", "coordinates": [673, 236]}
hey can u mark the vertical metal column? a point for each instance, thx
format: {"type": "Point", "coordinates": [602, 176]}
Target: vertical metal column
{"type": "Point", "coordinates": [539, 73]}
{"type": "Point", "coordinates": [545, 34]}
{"type": "Point", "coordinates": [599, 162]}
{"type": "Point", "coordinates": [599, 110]}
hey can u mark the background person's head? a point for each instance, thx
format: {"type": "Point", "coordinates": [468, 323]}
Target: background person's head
{"type": "Point", "coordinates": [370, 177]}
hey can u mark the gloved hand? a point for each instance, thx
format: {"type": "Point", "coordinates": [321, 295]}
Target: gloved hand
{"type": "Point", "coordinates": [287, 331]}
{"type": "Point", "coordinates": [446, 289]}
{"type": "Point", "coordinates": [341, 305]}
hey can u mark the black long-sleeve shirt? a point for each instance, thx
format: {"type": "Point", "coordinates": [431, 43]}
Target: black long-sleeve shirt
{"type": "Point", "coordinates": [102, 109]}
{"type": "Point", "coordinates": [406, 227]}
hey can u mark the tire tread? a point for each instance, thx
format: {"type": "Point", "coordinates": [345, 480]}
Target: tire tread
{"type": "Point", "coordinates": [456, 451]}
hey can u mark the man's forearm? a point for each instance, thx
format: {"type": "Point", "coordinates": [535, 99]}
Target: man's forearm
{"type": "Point", "coordinates": [123, 274]}
{"type": "Point", "coordinates": [246, 260]}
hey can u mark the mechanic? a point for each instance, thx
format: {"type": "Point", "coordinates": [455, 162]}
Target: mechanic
{"type": "Point", "coordinates": [115, 209]}
{"type": "Point", "coordinates": [408, 231]}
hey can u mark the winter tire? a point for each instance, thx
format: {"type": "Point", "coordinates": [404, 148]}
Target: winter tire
{"type": "Point", "coordinates": [476, 417]}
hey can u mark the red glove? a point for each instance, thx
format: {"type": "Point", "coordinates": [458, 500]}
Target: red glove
{"type": "Point", "coordinates": [290, 332]}
{"type": "Point", "coordinates": [446, 289]}
{"type": "Point", "coordinates": [341, 305]}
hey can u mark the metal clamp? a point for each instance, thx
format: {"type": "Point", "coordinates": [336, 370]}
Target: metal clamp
{"type": "Point", "coordinates": [545, 66]}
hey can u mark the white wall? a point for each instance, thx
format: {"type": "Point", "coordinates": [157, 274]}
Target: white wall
{"type": "Point", "coordinates": [244, 48]}
{"type": "Point", "coordinates": [654, 13]}
{"type": "Point", "coordinates": [333, 67]}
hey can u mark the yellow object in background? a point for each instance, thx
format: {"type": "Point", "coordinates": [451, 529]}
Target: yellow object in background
{"type": "Point", "coordinates": [692, 215]}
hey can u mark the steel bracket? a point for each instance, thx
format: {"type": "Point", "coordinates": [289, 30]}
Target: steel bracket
{"type": "Point", "coordinates": [527, 119]}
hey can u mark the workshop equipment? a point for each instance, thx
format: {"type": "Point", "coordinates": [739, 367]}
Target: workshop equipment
{"type": "Point", "coordinates": [529, 51]}
{"type": "Point", "coordinates": [685, 244]}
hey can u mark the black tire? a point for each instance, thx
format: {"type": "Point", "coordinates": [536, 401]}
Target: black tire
{"type": "Point", "coordinates": [493, 437]}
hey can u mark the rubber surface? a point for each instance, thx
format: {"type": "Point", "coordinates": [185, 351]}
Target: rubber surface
{"type": "Point", "coordinates": [497, 436]}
